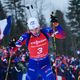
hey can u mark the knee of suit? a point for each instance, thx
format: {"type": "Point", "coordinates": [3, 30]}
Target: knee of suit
{"type": "Point", "coordinates": [27, 77]}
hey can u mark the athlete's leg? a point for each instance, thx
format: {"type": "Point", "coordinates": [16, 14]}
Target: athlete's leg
{"type": "Point", "coordinates": [32, 71]}
{"type": "Point", "coordinates": [48, 74]}
{"type": "Point", "coordinates": [31, 75]}
{"type": "Point", "coordinates": [46, 70]}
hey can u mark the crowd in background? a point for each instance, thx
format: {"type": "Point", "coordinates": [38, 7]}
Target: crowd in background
{"type": "Point", "coordinates": [18, 64]}
{"type": "Point", "coordinates": [67, 67]}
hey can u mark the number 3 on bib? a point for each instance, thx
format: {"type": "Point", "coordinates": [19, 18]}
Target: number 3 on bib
{"type": "Point", "coordinates": [40, 50]}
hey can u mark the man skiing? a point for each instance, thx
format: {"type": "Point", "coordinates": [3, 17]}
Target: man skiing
{"type": "Point", "coordinates": [37, 41]}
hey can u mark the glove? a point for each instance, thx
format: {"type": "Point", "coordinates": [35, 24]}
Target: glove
{"type": "Point", "coordinates": [12, 42]}
{"type": "Point", "coordinates": [53, 18]}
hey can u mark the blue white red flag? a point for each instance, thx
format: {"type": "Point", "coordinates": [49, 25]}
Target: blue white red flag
{"type": "Point", "coordinates": [5, 27]}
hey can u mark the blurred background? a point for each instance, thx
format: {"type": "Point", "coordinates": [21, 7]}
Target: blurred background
{"type": "Point", "coordinates": [67, 12]}
{"type": "Point", "coordinates": [67, 50]}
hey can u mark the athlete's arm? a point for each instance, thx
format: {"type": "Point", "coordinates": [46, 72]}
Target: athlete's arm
{"type": "Point", "coordinates": [22, 40]}
{"type": "Point", "coordinates": [55, 31]}
{"type": "Point", "coordinates": [58, 31]}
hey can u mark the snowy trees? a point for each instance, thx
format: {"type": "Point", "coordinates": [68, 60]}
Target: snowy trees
{"type": "Point", "coordinates": [20, 10]}
{"type": "Point", "coordinates": [73, 15]}
{"type": "Point", "coordinates": [2, 12]}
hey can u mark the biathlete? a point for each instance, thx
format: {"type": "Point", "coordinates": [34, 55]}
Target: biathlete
{"type": "Point", "coordinates": [37, 41]}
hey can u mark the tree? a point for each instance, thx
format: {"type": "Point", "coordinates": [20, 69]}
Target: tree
{"type": "Point", "coordinates": [38, 7]}
{"type": "Point", "coordinates": [42, 21]}
{"type": "Point", "coordinates": [2, 12]}
{"type": "Point", "coordinates": [62, 45]}
{"type": "Point", "coordinates": [73, 15]}
{"type": "Point", "coordinates": [14, 8]}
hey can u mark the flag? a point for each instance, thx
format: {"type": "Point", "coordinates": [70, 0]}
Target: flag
{"type": "Point", "coordinates": [5, 27]}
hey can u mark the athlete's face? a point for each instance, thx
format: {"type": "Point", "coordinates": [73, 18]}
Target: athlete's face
{"type": "Point", "coordinates": [35, 31]}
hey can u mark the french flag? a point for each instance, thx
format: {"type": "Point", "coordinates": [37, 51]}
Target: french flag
{"type": "Point", "coordinates": [5, 27]}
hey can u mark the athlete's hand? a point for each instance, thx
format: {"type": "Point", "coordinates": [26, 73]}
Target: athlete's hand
{"type": "Point", "coordinates": [54, 21]}
{"type": "Point", "coordinates": [55, 24]}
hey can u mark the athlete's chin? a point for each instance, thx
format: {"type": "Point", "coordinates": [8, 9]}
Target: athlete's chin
{"type": "Point", "coordinates": [36, 34]}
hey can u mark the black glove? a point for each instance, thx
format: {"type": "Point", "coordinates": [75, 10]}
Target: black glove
{"type": "Point", "coordinates": [53, 18]}
{"type": "Point", "coordinates": [12, 42]}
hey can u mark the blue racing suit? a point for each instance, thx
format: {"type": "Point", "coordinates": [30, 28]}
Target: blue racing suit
{"type": "Point", "coordinates": [40, 67]}
{"type": "Point", "coordinates": [39, 62]}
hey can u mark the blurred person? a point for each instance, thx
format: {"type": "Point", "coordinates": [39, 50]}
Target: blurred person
{"type": "Point", "coordinates": [79, 75]}
{"type": "Point", "coordinates": [37, 41]}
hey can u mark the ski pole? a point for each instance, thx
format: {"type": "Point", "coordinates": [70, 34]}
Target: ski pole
{"type": "Point", "coordinates": [6, 76]}
{"type": "Point", "coordinates": [54, 38]}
